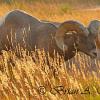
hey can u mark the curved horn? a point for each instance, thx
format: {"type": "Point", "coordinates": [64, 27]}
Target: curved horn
{"type": "Point", "coordinates": [67, 26]}
{"type": "Point", "coordinates": [94, 27]}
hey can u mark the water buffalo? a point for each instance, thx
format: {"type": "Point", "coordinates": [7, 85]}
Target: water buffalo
{"type": "Point", "coordinates": [19, 28]}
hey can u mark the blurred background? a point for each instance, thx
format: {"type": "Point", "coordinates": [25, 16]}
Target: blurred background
{"type": "Point", "coordinates": [55, 10]}
{"type": "Point", "coordinates": [73, 3]}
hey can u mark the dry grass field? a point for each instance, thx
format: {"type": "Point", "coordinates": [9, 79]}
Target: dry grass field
{"type": "Point", "coordinates": [31, 77]}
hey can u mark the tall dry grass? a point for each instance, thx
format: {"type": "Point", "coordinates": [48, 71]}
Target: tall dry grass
{"type": "Point", "coordinates": [39, 77]}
